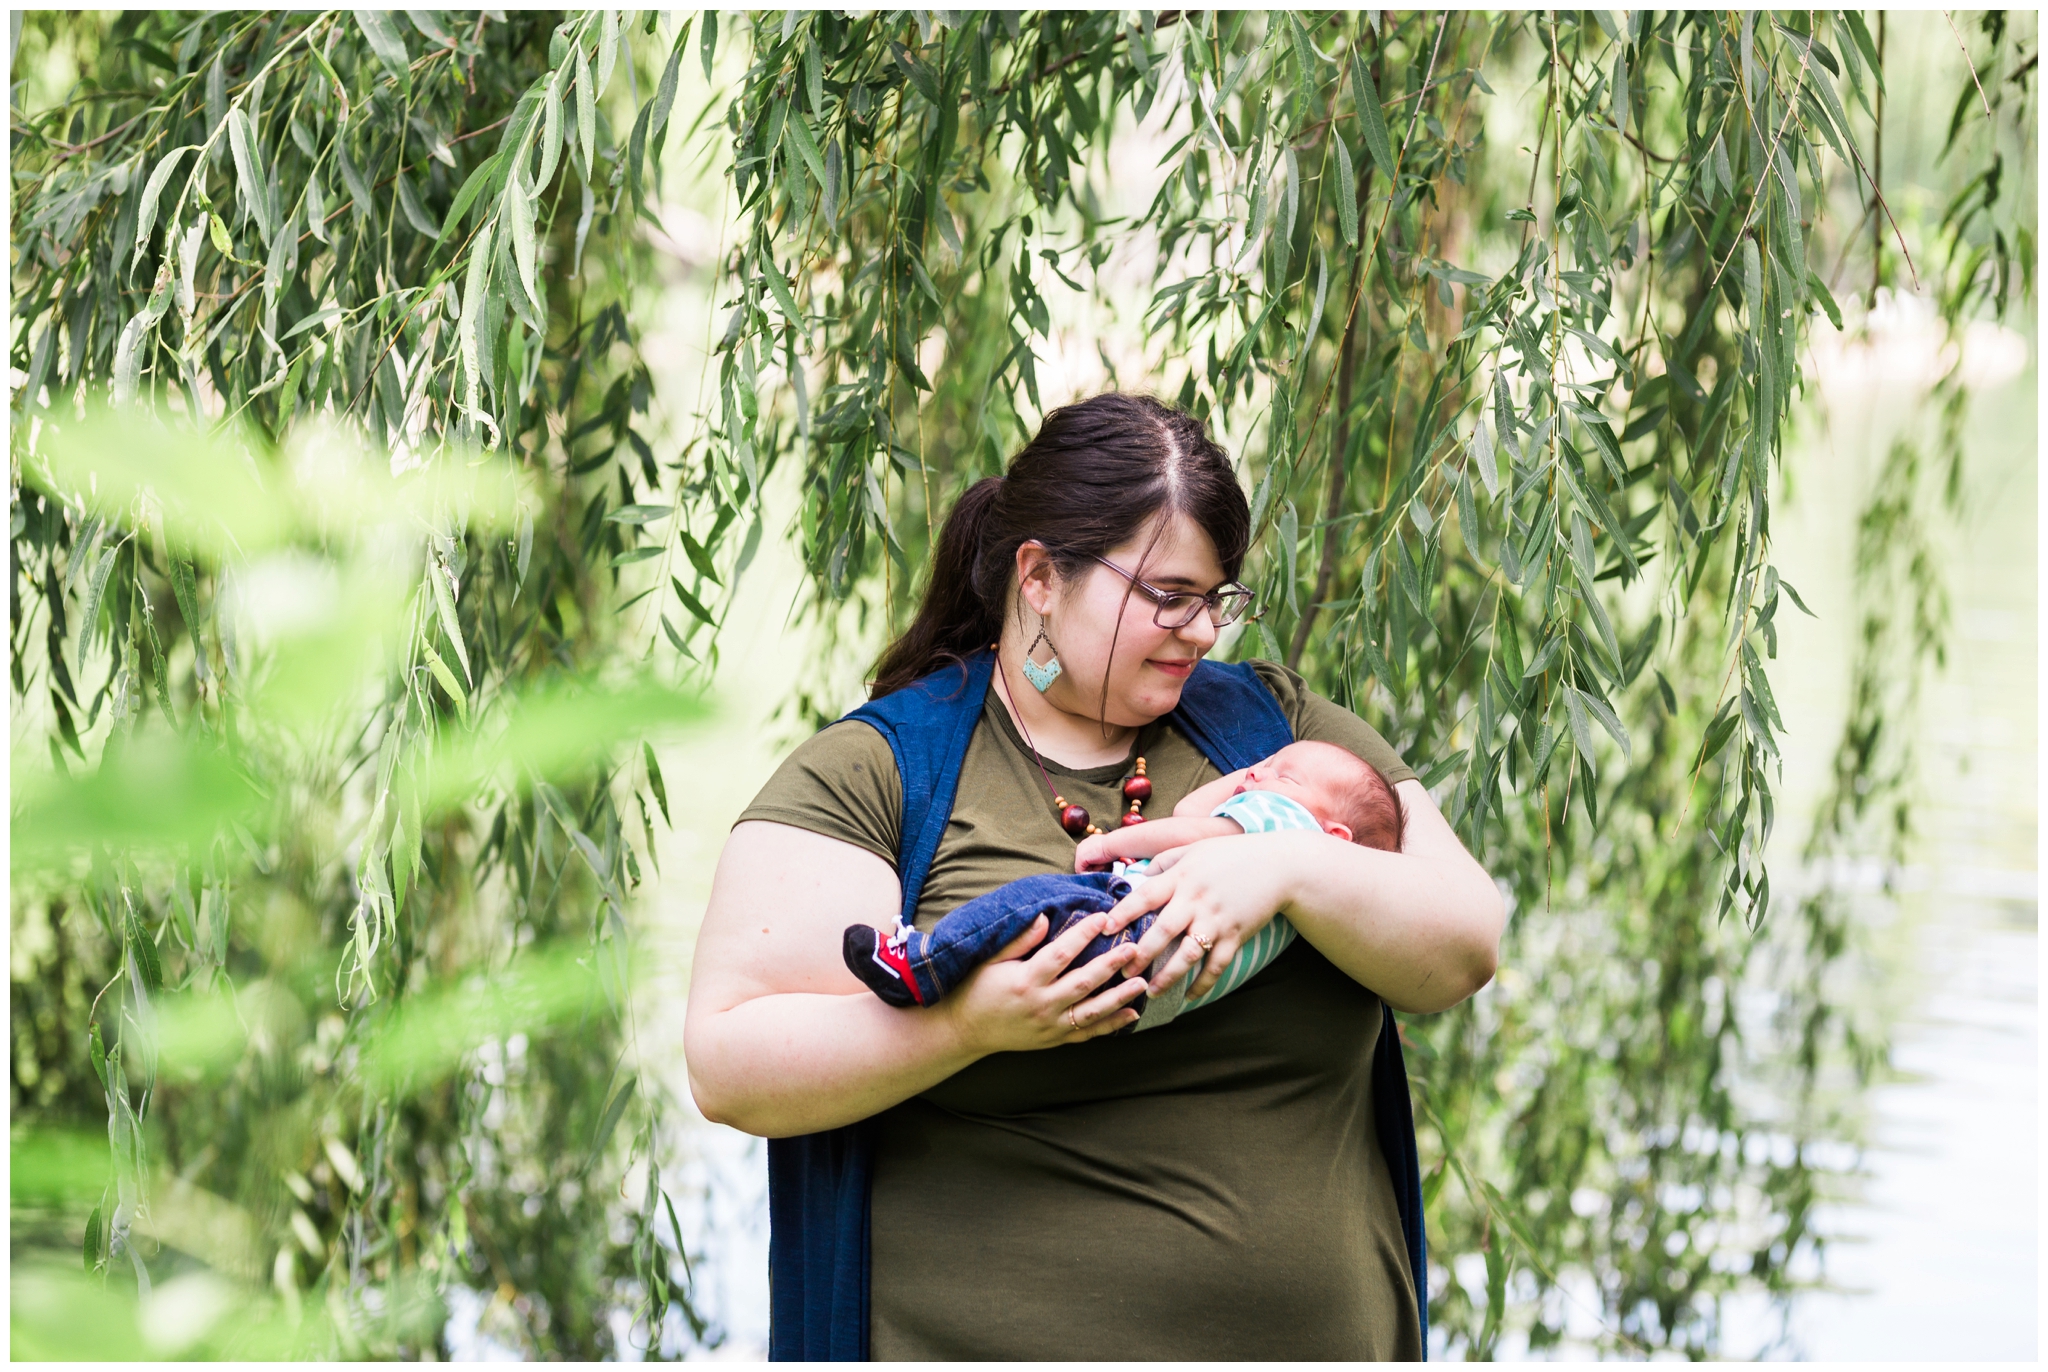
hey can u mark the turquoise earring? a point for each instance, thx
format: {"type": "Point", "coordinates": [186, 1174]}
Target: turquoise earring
{"type": "Point", "coordinates": [1041, 675]}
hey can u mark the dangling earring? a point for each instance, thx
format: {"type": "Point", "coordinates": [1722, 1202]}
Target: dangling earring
{"type": "Point", "coordinates": [1041, 675]}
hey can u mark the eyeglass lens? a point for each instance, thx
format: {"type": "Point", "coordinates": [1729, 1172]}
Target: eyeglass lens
{"type": "Point", "coordinates": [1179, 611]}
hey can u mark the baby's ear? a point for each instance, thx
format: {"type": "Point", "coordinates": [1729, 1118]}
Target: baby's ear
{"type": "Point", "coordinates": [1336, 830]}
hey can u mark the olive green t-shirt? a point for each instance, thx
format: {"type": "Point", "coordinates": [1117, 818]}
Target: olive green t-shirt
{"type": "Point", "coordinates": [1213, 1188]}
{"type": "Point", "coordinates": [841, 782]}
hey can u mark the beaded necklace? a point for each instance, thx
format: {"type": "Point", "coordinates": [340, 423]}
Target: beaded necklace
{"type": "Point", "coordinates": [1137, 787]}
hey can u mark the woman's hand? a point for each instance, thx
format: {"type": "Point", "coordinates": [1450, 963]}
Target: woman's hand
{"type": "Point", "coordinates": [1212, 897]}
{"type": "Point", "coordinates": [1420, 927]}
{"type": "Point", "coordinates": [1020, 1000]}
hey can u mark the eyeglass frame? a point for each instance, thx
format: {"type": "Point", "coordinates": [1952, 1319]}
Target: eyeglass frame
{"type": "Point", "coordinates": [1210, 599]}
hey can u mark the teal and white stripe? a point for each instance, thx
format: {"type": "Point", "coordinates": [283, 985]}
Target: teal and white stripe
{"type": "Point", "coordinates": [1258, 812]}
{"type": "Point", "coordinates": [1266, 812]}
{"type": "Point", "coordinates": [1257, 955]}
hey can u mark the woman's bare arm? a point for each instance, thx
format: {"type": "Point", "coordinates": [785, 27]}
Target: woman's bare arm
{"type": "Point", "coordinates": [1421, 927]}
{"type": "Point", "coordinates": [1425, 934]}
{"type": "Point", "coordinates": [779, 1037]}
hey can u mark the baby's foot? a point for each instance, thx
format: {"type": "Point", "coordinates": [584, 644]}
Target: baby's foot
{"type": "Point", "coordinates": [881, 965]}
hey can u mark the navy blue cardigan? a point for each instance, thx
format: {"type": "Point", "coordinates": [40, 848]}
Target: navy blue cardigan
{"type": "Point", "coordinates": [818, 1184]}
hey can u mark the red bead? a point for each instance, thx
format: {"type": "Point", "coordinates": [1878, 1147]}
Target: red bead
{"type": "Point", "coordinates": [1137, 788]}
{"type": "Point", "coordinates": [1074, 820]}
{"type": "Point", "coordinates": [1133, 818]}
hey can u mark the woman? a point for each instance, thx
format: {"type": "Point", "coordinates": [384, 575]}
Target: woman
{"type": "Point", "coordinates": [1215, 1187]}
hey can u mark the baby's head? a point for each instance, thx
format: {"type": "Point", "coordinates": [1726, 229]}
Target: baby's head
{"type": "Point", "coordinates": [1345, 793]}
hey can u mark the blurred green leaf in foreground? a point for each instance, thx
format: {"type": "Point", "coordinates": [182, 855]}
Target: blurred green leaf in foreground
{"type": "Point", "coordinates": [329, 802]}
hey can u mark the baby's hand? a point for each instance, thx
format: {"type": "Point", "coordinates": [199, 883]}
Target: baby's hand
{"type": "Point", "coordinates": [1097, 852]}
{"type": "Point", "coordinates": [1129, 843]}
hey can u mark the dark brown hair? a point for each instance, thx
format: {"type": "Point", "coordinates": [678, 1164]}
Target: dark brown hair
{"type": "Point", "coordinates": [1376, 815]}
{"type": "Point", "coordinates": [1096, 472]}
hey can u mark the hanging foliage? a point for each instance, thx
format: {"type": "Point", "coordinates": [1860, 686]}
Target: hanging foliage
{"type": "Point", "coordinates": [332, 849]}
{"type": "Point", "coordinates": [335, 462]}
{"type": "Point", "coordinates": [1511, 414]}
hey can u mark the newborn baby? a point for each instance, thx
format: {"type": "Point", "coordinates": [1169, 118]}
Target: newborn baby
{"type": "Point", "coordinates": [1304, 786]}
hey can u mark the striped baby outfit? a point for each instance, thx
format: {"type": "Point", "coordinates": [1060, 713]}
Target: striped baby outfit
{"type": "Point", "coordinates": [1258, 812]}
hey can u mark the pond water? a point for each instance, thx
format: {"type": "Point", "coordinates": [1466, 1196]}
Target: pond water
{"type": "Point", "coordinates": [1931, 1227]}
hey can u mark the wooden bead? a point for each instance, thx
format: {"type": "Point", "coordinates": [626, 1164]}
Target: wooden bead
{"type": "Point", "coordinates": [1074, 820]}
{"type": "Point", "coordinates": [1138, 788]}
{"type": "Point", "coordinates": [1133, 818]}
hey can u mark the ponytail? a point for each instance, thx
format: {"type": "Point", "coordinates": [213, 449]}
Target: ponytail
{"type": "Point", "coordinates": [955, 618]}
{"type": "Point", "coordinates": [1090, 479]}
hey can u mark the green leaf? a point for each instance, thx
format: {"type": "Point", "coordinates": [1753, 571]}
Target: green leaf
{"type": "Point", "coordinates": [655, 782]}
{"type": "Point", "coordinates": [676, 639]}
{"type": "Point", "coordinates": [1366, 97]}
{"type": "Point", "coordinates": [610, 1120]}
{"type": "Point", "coordinates": [472, 311]}
{"type": "Point", "coordinates": [1753, 286]}
{"type": "Point", "coordinates": [388, 43]}
{"type": "Point", "coordinates": [358, 189]}
{"type": "Point", "coordinates": [1315, 315]}
{"type": "Point", "coordinates": [1481, 448]}
{"type": "Point", "coordinates": [1347, 193]}
{"type": "Point", "coordinates": [749, 546]}
{"type": "Point", "coordinates": [472, 187]}
{"type": "Point", "coordinates": [1861, 34]}
{"type": "Point", "coordinates": [608, 48]}
{"type": "Point", "coordinates": [692, 604]}
{"type": "Point", "coordinates": [665, 96]}
{"type": "Point", "coordinates": [586, 115]}
{"type": "Point", "coordinates": [1544, 657]}
{"type": "Point", "coordinates": [1443, 767]}
{"type": "Point", "coordinates": [918, 72]}
{"type": "Point", "coordinates": [700, 558]}
{"type": "Point", "coordinates": [1789, 590]}
{"type": "Point", "coordinates": [550, 130]}
{"type": "Point", "coordinates": [251, 180]}
{"type": "Point", "coordinates": [446, 676]}
{"type": "Point", "coordinates": [1582, 732]}
{"type": "Point", "coordinates": [145, 218]}
{"type": "Point", "coordinates": [429, 25]}
{"type": "Point", "coordinates": [632, 555]}
{"type": "Point", "coordinates": [1609, 721]}
{"type": "Point", "coordinates": [143, 949]}
{"type": "Point", "coordinates": [707, 40]}
{"type": "Point", "coordinates": [92, 1225]}
{"type": "Point", "coordinates": [444, 603]}
{"type": "Point", "coordinates": [415, 213]}
{"type": "Point", "coordinates": [639, 514]}
{"type": "Point", "coordinates": [798, 132]}
{"type": "Point", "coordinates": [814, 79]}
{"type": "Point", "coordinates": [1826, 299]}
{"type": "Point", "coordinates": [98, 1051]}
{"type": "Point", "coordinates": [518, 208]}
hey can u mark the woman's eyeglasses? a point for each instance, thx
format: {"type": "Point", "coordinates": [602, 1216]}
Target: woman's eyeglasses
{"type": "Point", "coordinates": [1177, 609]}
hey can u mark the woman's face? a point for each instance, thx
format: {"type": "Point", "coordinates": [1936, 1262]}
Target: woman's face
{"type": "Point", "coordinates": [1102, 625]}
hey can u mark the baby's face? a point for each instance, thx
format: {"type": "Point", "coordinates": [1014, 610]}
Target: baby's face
{"type": "Point", "coordinates": [1300, 772]}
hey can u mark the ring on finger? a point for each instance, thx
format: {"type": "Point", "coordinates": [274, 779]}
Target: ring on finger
{"type": "Point", "coordinates": [1070, 1017]}
{"type": "Point", "coordinates": [1205, 944]}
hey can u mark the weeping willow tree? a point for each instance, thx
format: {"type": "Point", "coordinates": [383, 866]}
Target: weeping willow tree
{"type": "Point", "coordinates": [1505, 316]}
{"type": "Point", "coordinates": [325, 845]}
{"type": "Point", "coordinates": [330, 447]}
